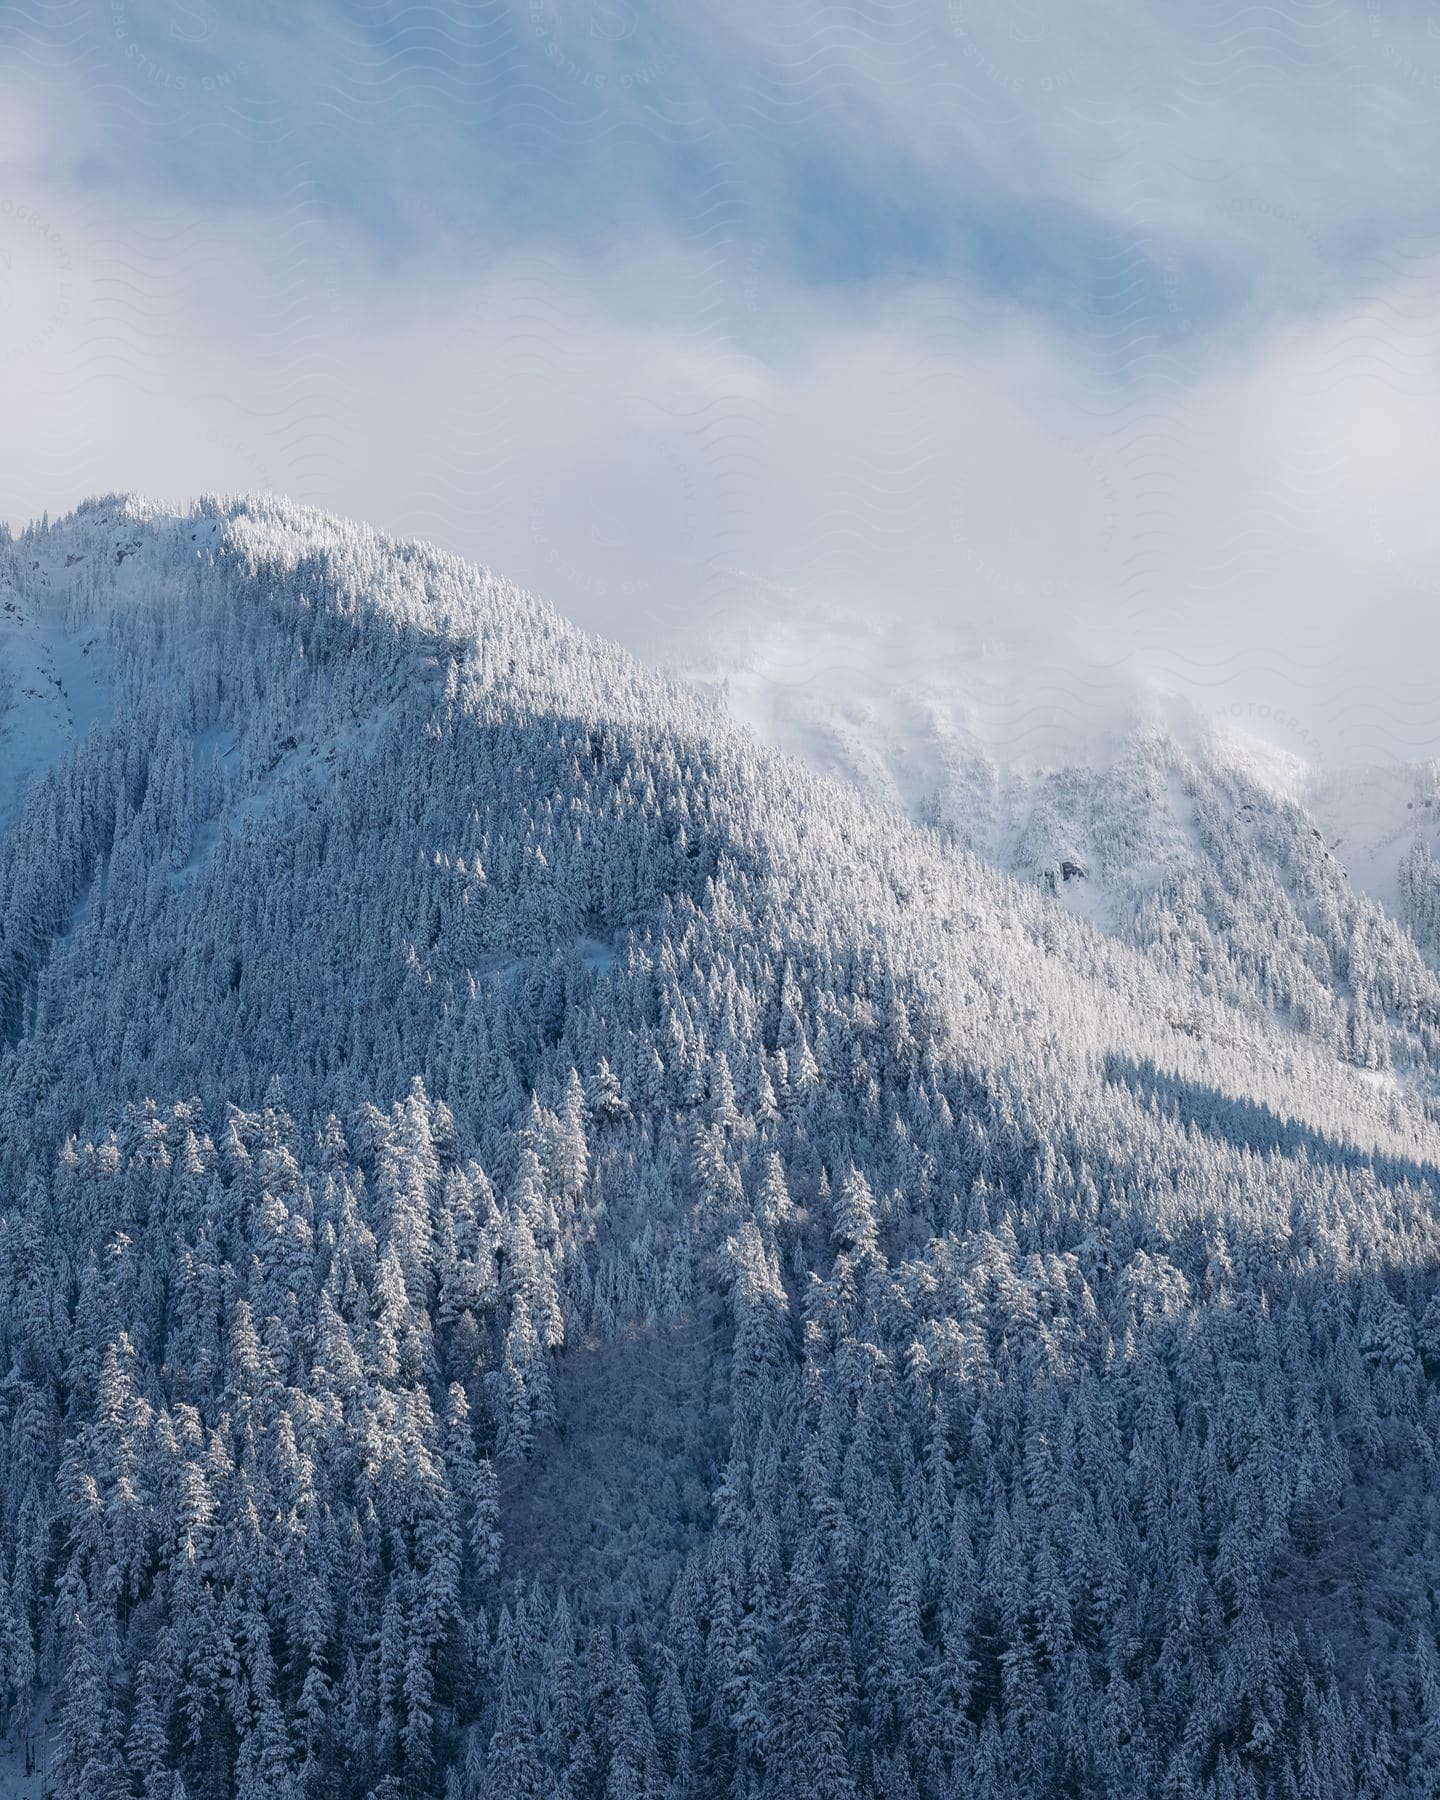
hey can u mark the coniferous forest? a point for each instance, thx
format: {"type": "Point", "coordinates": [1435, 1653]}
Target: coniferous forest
{"type": "Point", "coordinates": [546, 1250]}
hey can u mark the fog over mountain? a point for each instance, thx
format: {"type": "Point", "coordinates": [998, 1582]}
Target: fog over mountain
{"type": "Point", "coordinates": [1110, 340]}
{"type": "Point", "coordinates": [549, 1249]}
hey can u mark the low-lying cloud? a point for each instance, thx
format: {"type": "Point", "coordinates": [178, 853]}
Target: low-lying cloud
{"type": "Point", "coordinates": [1120, 378]}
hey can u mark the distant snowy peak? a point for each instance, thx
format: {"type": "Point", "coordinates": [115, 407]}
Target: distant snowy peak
{"type": "Point", "coordinates": [1284, 887]}
{"type": "Point", "coordinates": [1079, 777]}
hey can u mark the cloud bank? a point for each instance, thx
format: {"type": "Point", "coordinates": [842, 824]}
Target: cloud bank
{"type": "Point", "coordinates": [990, 345]}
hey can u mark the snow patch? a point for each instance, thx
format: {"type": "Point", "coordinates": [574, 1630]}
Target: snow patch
{"type": "Point", "coordinates": [54, 685]}
{"type": "Point", "coordinates": [27, 1756]}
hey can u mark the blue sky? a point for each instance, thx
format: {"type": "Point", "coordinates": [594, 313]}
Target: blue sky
{"type": "Point", "coordinates": [1112, 323]}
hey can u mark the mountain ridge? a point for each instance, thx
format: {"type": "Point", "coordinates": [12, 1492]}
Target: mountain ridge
{"type": "Point", "coordinates": [447, 602]}
{"type": "Point", "coordinates": [551, 1249]}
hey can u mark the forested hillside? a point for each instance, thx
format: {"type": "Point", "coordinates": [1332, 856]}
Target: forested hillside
{"type": "Point", "coordinates": [1306, 892]}
{"type": "Point", "coordinates": [547, 1250]}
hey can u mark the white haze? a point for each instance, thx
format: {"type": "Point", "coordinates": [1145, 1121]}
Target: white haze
{"type": "Point", "coordinates": [907, 490]}
{"type": "Point", "coordinates": [1211, 475]}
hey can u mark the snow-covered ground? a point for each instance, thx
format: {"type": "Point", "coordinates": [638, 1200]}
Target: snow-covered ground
{"type": "Point", "coordinates": [26, 1756]}
{"type": "Point", "coordinates": [56, 656]}
{"type": "Point", "coordinates": [54, 683]}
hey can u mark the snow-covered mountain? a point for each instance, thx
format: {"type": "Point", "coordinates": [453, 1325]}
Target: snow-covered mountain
{"type": "Point", "coordinates": [549, 1249]}
{"type": "Point", "coordinates": [1281, 882]}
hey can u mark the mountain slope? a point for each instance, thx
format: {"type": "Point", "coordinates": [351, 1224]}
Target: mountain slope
{"type": "Point", "coordinates": [549, 1250]}
{"type": "Point", "coordinates": [1305, 893]}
